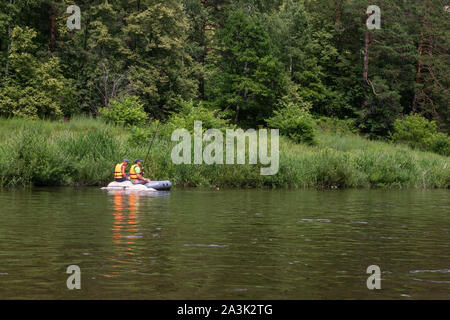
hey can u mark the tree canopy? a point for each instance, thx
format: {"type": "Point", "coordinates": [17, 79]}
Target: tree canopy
{"type": "Point", "coordinates": [246, 58]}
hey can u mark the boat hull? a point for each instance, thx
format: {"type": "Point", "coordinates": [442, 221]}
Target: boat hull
{"type": "Point", "coordinates": [129, 186]}
{"type": "Point", "coordinates": [159, 185]}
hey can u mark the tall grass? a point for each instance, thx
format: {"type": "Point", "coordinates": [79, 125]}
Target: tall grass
{"type": "Point", "coordinates": [85, 150]}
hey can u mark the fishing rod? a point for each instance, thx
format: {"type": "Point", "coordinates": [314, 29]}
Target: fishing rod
{"type": "Point", "coordinates": [151, 143]}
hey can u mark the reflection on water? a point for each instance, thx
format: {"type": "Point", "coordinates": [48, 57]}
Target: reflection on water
{"type": "Point", "coordinates": [124, 228]}
{"type": "Point", "coordinates": [203, 244]}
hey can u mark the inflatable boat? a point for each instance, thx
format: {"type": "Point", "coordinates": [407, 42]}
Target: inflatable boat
{"type": "Point", "coordinates": [150, 186]}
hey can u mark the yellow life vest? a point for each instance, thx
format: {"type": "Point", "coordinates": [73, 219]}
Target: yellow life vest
{"type": "Point", "coordinates": [118, 171]}
{"type": "Point", "coordinates": [133, 174]}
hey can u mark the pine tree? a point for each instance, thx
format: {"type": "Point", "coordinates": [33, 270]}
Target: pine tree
{"type": "Point", "coordinates": [247, 78]}
{"type": "Point", "coordinates": [431, 96]}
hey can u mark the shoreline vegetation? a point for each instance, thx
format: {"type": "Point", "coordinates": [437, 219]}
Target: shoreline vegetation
{"type": "Point", "coordinates": [84, 150]}
{"type": "Point", "coordinates": [351, 113]}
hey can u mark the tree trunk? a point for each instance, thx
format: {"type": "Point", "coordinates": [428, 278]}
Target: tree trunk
{"type": "Point", "coordinates": [419, 67]}
{"type": "Point", "coordinates": [290, 51]}
{"type": "Point", "coordinates": [201, 80]}
{"type": "Point", "coordinates": [366, 57]}
{"type": "Point", "coordinates": [366, 63]}
{"type": "Point", "coordinates": [8, 48]}
{"type": "Point", "coordinates": [52, 28]}
{"type": "Point", "coordinates": [86, 33]}
{"type": "Point", "coordinates": [7, 51]}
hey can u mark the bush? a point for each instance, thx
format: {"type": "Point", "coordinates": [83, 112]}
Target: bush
{"type": "Point", "coordinates": [125, 110]}
{"type": "Point", "coordinates": [188, 113]}
{"type": "Point", "coordinates": [439, 143]}
{"type": "Point", "coordinates": [143, 135]}
{"type": "Point", "coordinates": [413, 130]}
{"type": "Point", "coordinates": [418, 132]}
{"type": "Point", "coordinates": [335, 125]}
{"type": "Point", "coordinates": [294, 122]}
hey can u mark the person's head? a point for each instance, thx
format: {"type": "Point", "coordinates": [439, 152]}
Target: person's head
{"type": "Point", "coordinates": [125, 162]}
{"type": "Point", "coordinates": [138, 162]}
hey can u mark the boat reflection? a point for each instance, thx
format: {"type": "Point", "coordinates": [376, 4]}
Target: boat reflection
{"type": "Point", "coordinates": [125, 232]}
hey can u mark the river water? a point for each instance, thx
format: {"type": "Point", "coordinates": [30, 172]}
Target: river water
{"type": "Point", "coordinates": [224, 244]}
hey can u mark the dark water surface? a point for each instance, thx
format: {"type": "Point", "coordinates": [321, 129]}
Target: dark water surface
{"type": "Point", "coordinates": [230, 244]}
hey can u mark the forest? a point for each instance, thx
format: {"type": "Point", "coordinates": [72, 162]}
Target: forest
{"type": "Point", "coordinates": [245, 59]}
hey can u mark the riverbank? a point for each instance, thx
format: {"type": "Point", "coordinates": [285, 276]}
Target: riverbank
{"type": "Point", "coordinates": [85, 150]}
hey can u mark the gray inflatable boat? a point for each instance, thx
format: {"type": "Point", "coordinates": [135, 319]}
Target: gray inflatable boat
{"type": "Point", "coordinates": [159, 185]}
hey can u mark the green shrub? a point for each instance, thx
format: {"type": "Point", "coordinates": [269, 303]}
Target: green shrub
{"type": "Point", "coordinates": [125, 110]}
{"type": "Point", "coordinates": [143, 135]}
{"type": "Point", "coordinates": [335, 125]}
{"type": "Point", "coordinates": [439, 143]}
{"type": "Point", "coordinates": [418, 132]}
{"type": "Point", "coordinates": [413, 130]}
{"type": "Point", "coordinates": [188, 113]}
{"type": "Point", "coordinates": [139, 135]}
{"type": "Point", "coordinates": [294, 122]}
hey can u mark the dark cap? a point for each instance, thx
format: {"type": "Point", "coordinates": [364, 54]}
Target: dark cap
{"type": "Point", "coordinates": [125, 160]}
{"type": "Point", "coordinates": [137, 160]}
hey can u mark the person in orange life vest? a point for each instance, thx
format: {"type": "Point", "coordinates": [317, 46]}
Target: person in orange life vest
{"type": "Point", "coordinates": [136, 173]}
{"type": "Point", "coordinates": [119, 171]}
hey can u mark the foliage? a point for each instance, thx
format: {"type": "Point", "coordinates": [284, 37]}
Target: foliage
{"type": "Point", "coordinates": [125, 110]}
{"type": "Point", "coordinates": [188, 113]}
{"type": "Point", "coordinates": [413, 130]}
{"type": "Point", "coordinates": [418, 132]}
{"type": "Point", "coordinates": [294, 122]}
{"type": "Point", "coordinates": [439, 143]}
{"type": "Point", "coordinates": [244, 57]}
{"type": "Point", "coordinates": [247, 78]}
{"type": "Point", "coordinates": [335, 125]}
{"type": "Point", "coordinates": [33, 88]}
{"type": "Point", "coordinates": [84, 151]}
{"type": "Point", "coordinates": [144, 134]}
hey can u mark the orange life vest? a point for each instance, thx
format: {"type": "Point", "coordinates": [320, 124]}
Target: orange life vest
{"type": "Point", "coordinates": [118, 171]}
{"type": "Point", "coordinates": [133, 174]}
